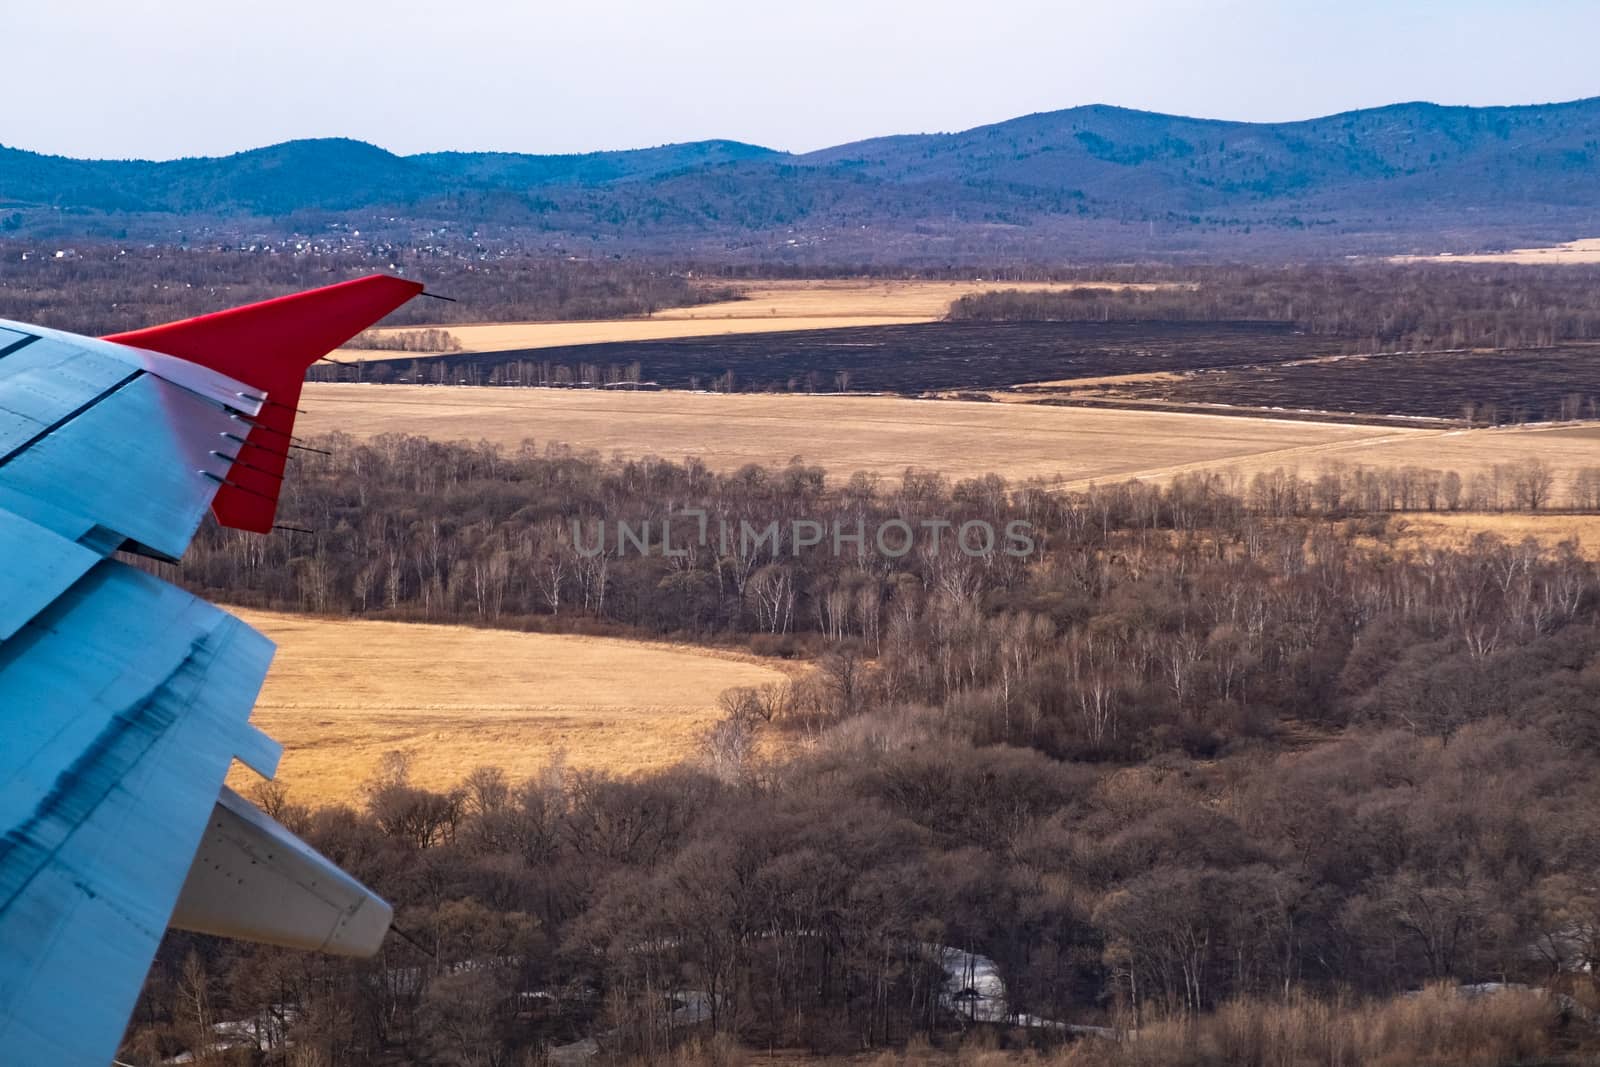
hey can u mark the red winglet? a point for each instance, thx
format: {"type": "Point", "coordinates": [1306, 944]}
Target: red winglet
{"type": "Point", "coordinates": [269, 346]}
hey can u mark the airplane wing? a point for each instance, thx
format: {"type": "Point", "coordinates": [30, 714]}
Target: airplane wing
{"type": "Point", "coordinates": [123, 699]}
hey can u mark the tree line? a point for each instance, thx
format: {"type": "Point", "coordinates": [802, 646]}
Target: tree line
{"type": "Point", "coordinates": [430, 340]}
{"type": "Point", "coordinates": [1214, 745]}
{"type": "Point", "coordinates": [99, 288]}
{"type": "Point", "coordinates": [407, 528]}
{"type": "Point", "coordinates": [1373, 307]}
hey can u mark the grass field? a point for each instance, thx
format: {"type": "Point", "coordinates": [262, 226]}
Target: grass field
{"type": "Point", "coordinates": [767, 307]}
{"type": "Point", "coordinates": [1585, 250]}
{"type": "Point", "coordinates": [1564, 448]}
{"type": "Point", "coordinates": [1457, 529]}
{"type": "Point", "coordinates": [342, 694]}
{"type": "Point", "coordinates": [844, 434]}
{"type": "Point", "coordinates": [1068, 446]}
{"type": "Point", "coordinates": [827, 298]}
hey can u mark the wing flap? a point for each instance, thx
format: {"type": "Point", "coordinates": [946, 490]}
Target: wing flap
{"type": "Point", "coordinates": [142, 461]}
{"type": "Point", "coordinates": [45, 383]}
{"type": "Point", "coordinates": [96, 654]}
{"type": "Point", "coordinates": [54, 564]}
{"type": "Point", "coordinates": [253, 879]}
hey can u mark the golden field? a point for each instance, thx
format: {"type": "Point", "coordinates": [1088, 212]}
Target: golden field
{"type": "Point", "coordinates": [844, 434]}
{"type": "Point", "coordinates": [1586, 250]}
{"type": "Point", "coordinates": [344, 693]}
{"type": "Point", "coordinates": [828, 298]}
{"type": "Point", "coordinates": [1456, 529]}
{"type": "Point", "coordinates": [767, 307]}
{"type": "Point", "coordinates": [1564, 447]}
{"type": "Point", "coordinates": [1068, 446]}
{"type": "Point", "coordinates": [497, 336]}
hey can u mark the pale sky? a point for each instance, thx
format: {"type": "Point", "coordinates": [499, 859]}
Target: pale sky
{"type": "Point", "coordinates": [157, 79]}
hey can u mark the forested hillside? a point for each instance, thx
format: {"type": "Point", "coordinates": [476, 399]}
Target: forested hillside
{"type": "Point", "coordinates": [1083, 181]}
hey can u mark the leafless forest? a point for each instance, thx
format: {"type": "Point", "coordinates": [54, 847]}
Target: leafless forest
{"type": "Point", "coordinates": [100, 288]}
{"type": "Point", "coordinates": [1229, 765]}
{"type": "Point", "coordinates": [1376, 307]}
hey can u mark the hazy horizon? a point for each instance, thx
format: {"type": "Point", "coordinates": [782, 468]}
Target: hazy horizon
{"type": "Point", "coordinates": [156, 80]}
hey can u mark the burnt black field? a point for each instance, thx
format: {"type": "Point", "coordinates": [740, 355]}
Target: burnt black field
{"type": "Point", "coordinates": [1260, 365]}
{"type": "Point", "coordinates": [1487, 387]}
{"type": "Point", "coordinates": [902, 359]}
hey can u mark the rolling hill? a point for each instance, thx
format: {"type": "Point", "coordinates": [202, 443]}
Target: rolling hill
{"type": "Point", "coordinates": [1401, 177]}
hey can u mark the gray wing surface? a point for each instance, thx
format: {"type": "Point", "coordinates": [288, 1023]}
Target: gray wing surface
{"type": "Point", "coordinates": [124, 699]}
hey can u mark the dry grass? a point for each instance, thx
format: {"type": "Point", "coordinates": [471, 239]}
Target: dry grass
{"type": "Point", "coordinates": [810, 298]}
{"type": "Point", "coordinates": [1585, 250]}
{"type": "Point", "coordinates": [1565, 448]}
{"type": "Point", "coordinates": [884, 435]}
{"type": "Point", "coordinates": [342, 694]}
{"type": "Point", "coordinates": [1439, 1027]}
{"type": "Point", "coordinates": [768, 307]}
{"type": "Point", "coordinates": [498, 336]}
{"type": "Point", "coordinates": [1454, 530]}
{"type": "Point", "coordinates": [1069, 447]}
